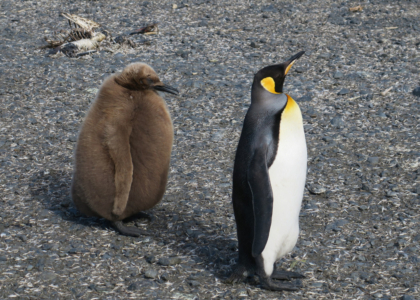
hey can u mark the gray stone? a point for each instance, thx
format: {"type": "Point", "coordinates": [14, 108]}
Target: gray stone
{"type": "Point", "coordinates": [165, 276]}
{"type": "Point", "coordinates": [46, 246]}
{"type": "Point", "coordinates": [325, 55]}
{"type": "Point", "coordinates": [151, 274]}
{"type": "Point", "coordinates": [407, 297]}
{"type": "Point", "coordinates": [183, 296]}
{"type": "Point", "coordinates": [41, 264]}
{"type": "Point", "coordinates": [134, 286]}
{"type": "Point", "coordinates": [316, 189]}
{"type": "Point", "coordinates": [305, 98]}
{"type": "Point", "coordinates": [269, 8]}
{"type": "Point", "coordinates": [337, 122]}
{"type": "Point", "coordinates": [373, 160]}
{"type": "Point", "coordinates": [343, 91]}
{"type": "Point", "coordinates": [165, 261]}
{"type": "Point", "coordinates": [312, 113]}
{"type": "Point", "coordinates": [342, 222]}
{"type": "Point", "coordinates": [338, 75]}
{"type": "Point", "coordinates": [194, 283]}
{"type": "Point", "coordinates": [22, 237]}
{"type": "Point", "coordinates": [61, 89]}
{"type": "Point", "coordinates": [74, 251]}
{"type": "Point", "coordinates": [217, 136]}
{"type": "Point", "coordinates": [48, 276]}
{"type": "Point", "coordinates": [416, 91]}
{"type": "Point", "coordinates": [317, 284]}
{"type": "Point", "coordinates": [151, 259]}
{"type": "Point", "coordinates": [363, 207]}
{"type": "Point", "coordinates": [336, 226]}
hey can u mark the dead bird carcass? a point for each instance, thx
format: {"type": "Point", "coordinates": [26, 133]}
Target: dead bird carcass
{"type": "Point", "coordinates": [80, 40]}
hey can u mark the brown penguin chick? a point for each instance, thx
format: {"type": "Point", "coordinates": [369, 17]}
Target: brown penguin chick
{"type": "Point", "coordinates": [124, 148]}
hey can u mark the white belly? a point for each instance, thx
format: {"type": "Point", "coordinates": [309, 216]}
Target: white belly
{"type": "Point", "coordinates": [287, 177]}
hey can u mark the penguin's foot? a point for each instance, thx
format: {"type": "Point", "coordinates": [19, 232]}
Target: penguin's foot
{"type": "Point", "coordinates": [130, 231]}
{"type": "Point", "coordinates": [285, 275]}
{"type": "Point", "coordinates": [141, 215]}
{"type": "Point", "coordinates": [239, 274]}
{"type": "Point", "coordinates": [268, 284]}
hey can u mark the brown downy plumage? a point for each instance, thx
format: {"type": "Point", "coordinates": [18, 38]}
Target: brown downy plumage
{"type": "Point", "coordinates": [124, 148]}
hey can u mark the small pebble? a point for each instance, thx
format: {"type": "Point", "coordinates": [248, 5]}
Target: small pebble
{"type": "Point", "coordinates": [373, 160]}
{"type": "Point", "coordinates": [317, 284]}
{"type": "Point", "coordinates": [194, 283]}
{"type": "Point", "coordinates": [363, 207]}
{"type": "Point", "coordinates": [316, 189]}
{"type": "Point", "coordinates": [382, 115]}
{"type": "Point", "coordinates": [165, 261]}
{"type": "Point", "coordinates": [48, 276]}
{"type": "Point", "coordinates": [416, 91]}
{"type": "Point", "coordinates": [151, 274]}
{"type": "Point", "coordinates": [305, 98]}
{"type": "Point", "coordinates": [253, 45]}
{"type": "Point", "coordinates": [134, 286]}
{"type": "Point", "coordinates": [337, 122]}
{"type": "Point", "coordinates": [338, 75]}
{"type": "Point", "coordinates": [343, 91]}
{"type": "Point", "coordinates": [165, 276]}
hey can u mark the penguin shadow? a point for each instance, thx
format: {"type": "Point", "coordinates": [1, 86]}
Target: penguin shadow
{"type": "Point", "coordinates": [51, 188]}
{"type": "Point", "coordinates": [194, 236]}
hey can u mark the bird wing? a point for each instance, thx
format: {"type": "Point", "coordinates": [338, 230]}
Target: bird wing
{"type": "Point", "coordinates": [262, 198]}
{"type": "Point", "coordinates": [81, 22]}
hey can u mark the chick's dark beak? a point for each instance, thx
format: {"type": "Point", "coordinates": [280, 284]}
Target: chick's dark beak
{"type": "Point", "coordinates": [166, 88]}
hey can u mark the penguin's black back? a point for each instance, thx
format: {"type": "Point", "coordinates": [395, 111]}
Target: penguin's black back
{"type": "Point", "coordinates": [261, 125]}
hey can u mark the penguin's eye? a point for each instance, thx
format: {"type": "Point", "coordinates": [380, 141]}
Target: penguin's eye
{"type": "Point", "coordinates": [269, 84]}
{"type": "Point", "coordinates": [149, 80]}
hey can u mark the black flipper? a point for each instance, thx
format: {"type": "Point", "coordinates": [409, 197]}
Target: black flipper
{"type": "Point", "coordinates": [130, 231]}
{"type": "Point", "coordinates": [262, 198]}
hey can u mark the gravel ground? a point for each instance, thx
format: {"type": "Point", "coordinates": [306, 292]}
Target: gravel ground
{"type": "Point", "coordinates": [360, 218]}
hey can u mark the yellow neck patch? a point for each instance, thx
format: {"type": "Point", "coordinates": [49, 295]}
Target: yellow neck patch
{"type": "Point", "coordinates": [269, 84]}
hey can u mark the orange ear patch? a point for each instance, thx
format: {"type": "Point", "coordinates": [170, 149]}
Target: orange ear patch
{"type": "Point", "coordinates": [269, 84]}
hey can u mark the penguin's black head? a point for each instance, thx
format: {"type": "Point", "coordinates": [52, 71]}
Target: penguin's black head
{"type": "Point", "coordinates": [271, 78]}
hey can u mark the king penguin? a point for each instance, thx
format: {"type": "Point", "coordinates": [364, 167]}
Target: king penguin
{"type": "Point", "coordinates": [269, 179]}
{"type": "Point", "coordinates": [124, 148]}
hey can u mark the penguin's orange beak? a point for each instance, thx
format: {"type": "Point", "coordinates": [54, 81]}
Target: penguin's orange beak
{"type": "Point", "coordinates": [292, 60]}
